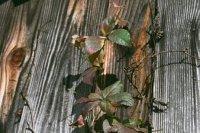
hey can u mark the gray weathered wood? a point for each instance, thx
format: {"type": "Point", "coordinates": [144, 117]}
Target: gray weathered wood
{"type": "Point", "coordinates": [37, 54]}
{"type": "Point", "coordinates": [35, 63]}
{"type": "Point", "coordinates": [177, 78]}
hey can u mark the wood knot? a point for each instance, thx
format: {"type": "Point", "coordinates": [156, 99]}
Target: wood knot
{"type": "Point", "coordinates": [17, 57]}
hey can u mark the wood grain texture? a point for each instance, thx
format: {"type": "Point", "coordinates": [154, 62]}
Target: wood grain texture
{"type": "Point", "coordinates": [177, 75]}
{"type": "Point", "coordinates": [35, 63]}
{"type": "Point", "coordinates": [36, 57]}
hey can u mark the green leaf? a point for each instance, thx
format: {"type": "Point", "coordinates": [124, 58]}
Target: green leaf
{"type": "Point", "coordinates": [107, 25]}
{"type": "Point", "coordinates": [121, 37]}
{"type": "Point", "coordinates": [107, 107]}
{"type": "Point", "coordinates": [123, 98]}
{"type": "Point", "coordinates": [132, 122]}
{"type": "Point", "coordinates": [112, 89]}
{"type": "Point", "coordinates": [94, 96]}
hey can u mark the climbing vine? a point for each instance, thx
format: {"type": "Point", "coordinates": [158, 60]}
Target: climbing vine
{"type": "Point", "coordinates": [111, 97]}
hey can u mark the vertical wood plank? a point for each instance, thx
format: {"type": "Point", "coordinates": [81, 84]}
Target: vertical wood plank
{"type": "Point", "coordinates": [177, 74]}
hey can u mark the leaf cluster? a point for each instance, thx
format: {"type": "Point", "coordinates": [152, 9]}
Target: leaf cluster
{"type": "Point", "coordinates": [111, 97]}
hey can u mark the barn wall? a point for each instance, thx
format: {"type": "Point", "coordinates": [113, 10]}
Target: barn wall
{"type": "Point", "coordinates": [38, 63]}
{"type": "Point", "coordinates": [177, 76]}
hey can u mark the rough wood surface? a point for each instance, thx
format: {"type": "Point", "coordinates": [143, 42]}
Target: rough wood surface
{"type": "Point", "coordinates": [36, 54]}
{"type": "Point", "coordinates": [177, 78]}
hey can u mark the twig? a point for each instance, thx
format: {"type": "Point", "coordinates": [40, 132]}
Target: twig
{"type": "Point", "coordinates": [133, 84]}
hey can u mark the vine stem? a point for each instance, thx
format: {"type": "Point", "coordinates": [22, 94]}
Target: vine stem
{"type": "Point", "coordinates": [181, 51]}
{"type": "Point", "coordinates": [162, 52]}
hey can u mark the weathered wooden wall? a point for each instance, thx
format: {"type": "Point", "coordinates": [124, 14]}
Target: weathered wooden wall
{"type": "Point", "coordinates": [177, 78]}
{"type": "Point", "coordinates": [36, 64]}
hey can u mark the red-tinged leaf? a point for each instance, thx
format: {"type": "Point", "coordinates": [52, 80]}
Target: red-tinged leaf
{"type": "Point", "coordinates": [82, 100]}
{"type": "Point", "coordinates": [89, 74]}
{"type": "Point", "coordinates": [79, 122]}
{"type": "Point", "coordinates": [78, 41]}
{"type": "Point", "coordinates": [97, 89]}
{"type": "Point", "coordinates": [123, 98]}
{"type": "Point", "coordinates": [107, 25]}
{"type": "Point", "coordinates": [94, 96]}
{"type": "Point", "coordinates": [121, 37]}
{"type": "Point", "coordinates": [96, 59]}
{"type": "Point", "coordinates": [89, 106]}
{"type": "Point", "coordinates": [107, 127]}
{"type": "Point", "coordinates": [108, 108]}
{"type": "Point", "coordinates": [112, 89]}
{"type": "Point", "coordinates": [93, 44]}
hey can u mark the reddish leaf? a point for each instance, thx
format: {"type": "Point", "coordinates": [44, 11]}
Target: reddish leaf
{"type": "Point", "coordinates": [107, 25]}
{"type": "Point", "coordinates": [79, 122]}
{"type": "Point", "coordinates": [89, 74]}
{"type": "Point", "coordinates": [93, 44]}
{"type": "Point", "coordinates": [89, 106]}
{"type": "Point", "coordinates": [82, 100]}
{"type": "Point", "coordinates": [107, 127]}
{"type": "Point", "coordinates": [96, 59]}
